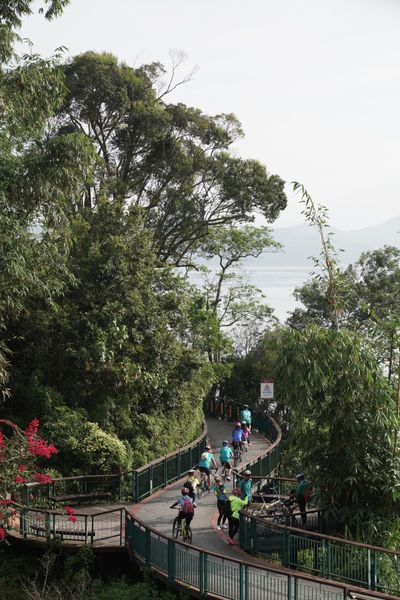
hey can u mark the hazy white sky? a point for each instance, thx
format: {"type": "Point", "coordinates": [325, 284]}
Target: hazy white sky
{"type": "Point", "coordinates": [315, 83]}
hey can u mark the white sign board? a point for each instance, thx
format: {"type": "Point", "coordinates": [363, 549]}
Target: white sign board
{"type": "Point", "coordinates": [267, 389]}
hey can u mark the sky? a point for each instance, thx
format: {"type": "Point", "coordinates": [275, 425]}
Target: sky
{"type": "Point", "coordinates": [315, 84]}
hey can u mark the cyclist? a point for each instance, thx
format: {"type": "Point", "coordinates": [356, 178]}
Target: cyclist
{"type": "Point", "coordinates": [206, 460]}
{"type": "Point", "coordinates": [245, 415]}
{"type": "Point", "coordinates": [235, 504]}
{"type": "Point", "coordinates": [245, 486]}
{"type": "Point", "coordinates": [222, 502]}
{"type": "Point", "coordinates": [191, 483]}
{"type": "Point", "coordinates": [237, 436]}
{"type": "Point", "coordinates": [225, 457]}
{"type": "Point", "coordinates": [246, 433]}
{"type": "Point", "coordinates": [303, 495]}
{"type": "Point", "coordinates": [186, 507]}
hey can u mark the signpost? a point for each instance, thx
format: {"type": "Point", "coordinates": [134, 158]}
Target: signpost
{"type": "Point", "coordinates": [267, 389]}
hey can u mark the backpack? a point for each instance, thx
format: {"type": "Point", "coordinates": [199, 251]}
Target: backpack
{"type": "Point", "coordinates": [308, 492]}
{"type": "Point", "coordinates": [187, 507]}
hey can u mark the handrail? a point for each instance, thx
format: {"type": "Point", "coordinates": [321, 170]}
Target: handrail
{"type": "Point", "coordinates": [374, 567]}
{"type": "Point", "coordinates": [174, 560]}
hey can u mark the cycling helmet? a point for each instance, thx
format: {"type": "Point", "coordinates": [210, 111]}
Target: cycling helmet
{"type": "Point", "coordinates": [237, 492]}
{"type": "Point", "coordinates": [244, 423]}
{"type": "Point", "coordinates": [238, 424]}
{"type": "Point", "coordinates": [300, 477]}
{"type": "Point", "coordinates": [184, 491]}
{"type": "Point", "coordinates": [247, 472]}
{"type": "Point", "coordinates": [225, 443]}
{"type": "Point", "coordinates": [245, 406]}
{"type": "Point", "coordinates": [218, 479]}
{"type": "Point", "coordinates": [207, 447]}
{"type": "Point", "coordinates": [191, 471]}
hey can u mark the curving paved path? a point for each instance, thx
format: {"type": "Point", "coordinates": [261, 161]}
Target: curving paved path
{"type": "Point", "coordinates": [155, 510]}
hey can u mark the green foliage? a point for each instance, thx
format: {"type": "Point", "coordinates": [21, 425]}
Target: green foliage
{"type": "Point", "coordinates": [84, 447]}
{"type": "Point", "coordinates": [342, 421]}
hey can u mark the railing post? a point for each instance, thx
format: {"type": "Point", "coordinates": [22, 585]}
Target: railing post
{"type": "Point", "coordinates": [26, 495]}
{"type": "Point", "coordinates": [372, 569]}
{"type": "Point", "coordinates": [178, 465]}
{"type": "Point", "coordinates": [121, 523]}
{"type": "Point", "coordinates": [93, 532]}
{"type": "Point", "coordinates": [289, 587]}
{"type": "Point", "coordinates": [286, 548]}
{"type": "Point", "coordinates": [203, 573]}
{"type": "Point", "coordinates": [147, 547]}
{"type": "Point", "coordinates": [171, 562]}
{"type": "Point", "coordinates": [253, 536]}
{"type": "Point", "coordinates": [47, 524]}
{"type": "Point", "coordinates": [86, 530]}
{"type": "Point", "coordinates": [135, 486]}
{"type": "Point", "coordinates": [165, 471]}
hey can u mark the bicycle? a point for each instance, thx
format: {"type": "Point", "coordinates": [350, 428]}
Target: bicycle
{"type": "Point", "coordinates": [283, 515]}
{"type": "Point", "coordinates": [237, 455]}
{"type": "Point", "coordinates": [182, 529]}
{"type": "Point", "coordinates": [203, 486]}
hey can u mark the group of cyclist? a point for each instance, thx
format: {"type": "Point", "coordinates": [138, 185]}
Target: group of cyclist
{"type": "Point", "coordinates": [228, 505]}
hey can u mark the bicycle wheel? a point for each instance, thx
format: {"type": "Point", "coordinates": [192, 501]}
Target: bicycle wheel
{"type": "Point", "coordinates": [175, 528]}
{"type": "Point", "coordinates": [202, 488]}
{"type": "Point", "coordinates": [187, 535]}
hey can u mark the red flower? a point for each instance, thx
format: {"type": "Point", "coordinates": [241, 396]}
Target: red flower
{"type": "Point", "coordinates": [39, 447]}
{"type": "Point", "coordinates": [22, 468]}
{"type": "Point", "coordinates": [43, 478]}
{"type": "Point", "coordinates": [69, 510]}
{"type": "Point", "coordinates": [19, 479]}
{"type": "Point", "coordinates": [2, 441]}
{"type": "Point", "coordinates": [32, 428]}
{"type": "Point", "coordinates": [2, 534]}
{"type": "Point", "coordinates": [72, 518]}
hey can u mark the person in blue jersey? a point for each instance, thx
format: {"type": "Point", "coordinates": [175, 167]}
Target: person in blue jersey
{"type": "Point", "coordinates": [245, 415]}
{"type": "Point", "coordinates": [207, 461]}
{"type": "Point", "coordinates": [225, 457]}
{"type": "Point", "coordinates": [245, 486]}
{"type": "Point", "coordinates": [222, 503]}
{"type": "Point", "coordinates": [238, 436]}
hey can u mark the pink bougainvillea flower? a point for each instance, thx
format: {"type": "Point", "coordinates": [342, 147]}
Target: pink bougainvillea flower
{"type": "Point", "coordinates": [2, 534]}
{"type": "Point", "coordinates": [2, 441]}
{"type": "Point", "coordinates": [41, 478]}
{"type": "Point", "coordinates": [22, 468]}
{"type": "Point", "coordinates": [69, 510]}
{"type": "Point", "coordinates": [19, 479]}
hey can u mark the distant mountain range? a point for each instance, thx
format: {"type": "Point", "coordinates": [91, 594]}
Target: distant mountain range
{"type": "Point", "coordinates": [302, 241]}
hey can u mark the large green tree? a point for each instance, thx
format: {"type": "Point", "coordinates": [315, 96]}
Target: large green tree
{"type": "Point", "coordinates": [171, 161]}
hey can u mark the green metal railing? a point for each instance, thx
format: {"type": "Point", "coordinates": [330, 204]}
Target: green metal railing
{"type": "Point", "coordinates": [363, 565]}
{"type": "Point", "coordinates": [215, 576]}
{"type": "Point", "coordinates": [104, 527]}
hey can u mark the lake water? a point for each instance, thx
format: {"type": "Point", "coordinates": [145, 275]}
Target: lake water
{"type": "Point", "coordinates": [276, 283]}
